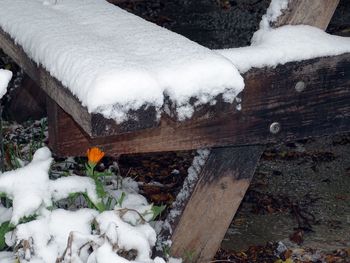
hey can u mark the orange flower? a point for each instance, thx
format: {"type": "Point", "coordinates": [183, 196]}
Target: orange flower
{"type": "Point", "coordinates": [94, 155]}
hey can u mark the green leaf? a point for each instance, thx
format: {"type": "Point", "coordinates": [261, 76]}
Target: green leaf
{"type": "Point", "coordinates": [102, 174]}
{"type": "Point", "coordinates": [121, 199]}
{"type": "Point", "coordinates": [89, 170]}
{"type": "Point", "coordinates": [101, 193]}
{"type": "Point", "coordinates": [4, 228]}
{"type": "Point", "coordinates": [27, 219]}
{"type": "Point", "coordinates": [100, 207]}
{"type": "Point", "coordinates": [109, 202]}
{"type": "Point", "coordinates": [157, 210]}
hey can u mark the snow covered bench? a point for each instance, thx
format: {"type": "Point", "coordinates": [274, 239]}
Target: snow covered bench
{"type": "Point", "coordinates": [128, 86]}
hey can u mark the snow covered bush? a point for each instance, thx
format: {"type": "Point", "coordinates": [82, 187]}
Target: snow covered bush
{"type": "Point", "coordinates": [112, 225]}
{"type": "Point", "coordinates": [115, 228]}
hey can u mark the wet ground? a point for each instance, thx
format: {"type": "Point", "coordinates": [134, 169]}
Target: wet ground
{"type": "Point", "coordinates": [300, 196]}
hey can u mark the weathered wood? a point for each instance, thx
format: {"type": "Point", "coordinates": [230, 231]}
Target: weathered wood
{"type": "Point", "coordinates": [92, 124]}
{"type": "Point", "coordinates": [269, 96]}
{"type": "Point", "coordinates": [316, 13]}
{"type": "Point", "coordinates": [26, 102]}
{"type": "Point", "coordinates": [221, 186]}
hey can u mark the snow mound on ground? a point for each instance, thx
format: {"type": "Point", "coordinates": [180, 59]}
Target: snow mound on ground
{"type": "Point", "coordinates": [285, 44]}
{"type": "Point", "coordinates": [31, 189]}
{"type": "Point", "coordinates": [48, 235]}
{"type": "Point", "coordinates": [141, 237]}
{"type": "Point", "coordinates": [7, 257]}
{"type": "Point", "coordinates": [274, 11]}
{"type": "Point", "coordinates": [114, 61]}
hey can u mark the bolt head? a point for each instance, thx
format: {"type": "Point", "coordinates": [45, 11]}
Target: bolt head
{"type": "Point", "coordinates": [300, 86]}
{"type": "Point", "coordinates": [275, 127]}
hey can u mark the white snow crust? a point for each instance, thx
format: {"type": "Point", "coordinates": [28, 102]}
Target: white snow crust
{"type": "Point", "coordinates": [49, 233]}
{"type": "Point", "coordinates": [274, 10]}
{"type": "Point", "coordinates": [5, 77]}
{"type": "Point", "coordinates": [141, 237]}
{"type": "Point", "coordinates": [5, 214]}
{"type": "Point", "coordinates": [7, 257]}
{"type": "Point", "coordinates": [114, 61]}
{"type": "Point", "coordinates": [271, 47]}
{"type": "Point", "coordinates": [31, 189]}
{"type": "Point", "coordinates": [68, 235]}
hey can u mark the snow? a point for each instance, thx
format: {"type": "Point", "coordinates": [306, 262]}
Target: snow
{"type": "Point", "coordinates": [141, 237]}
{"type": "Point", "coordinates": [68, 236]}
{"type": "Point", "coordinates": [5, 77]}
{"type": "Point", "coordinates": [62, 187]}
{"type": "Point", "coordinates": [31, 189]}
{"type": "Point", "coordinates": [274, 10]}
{"type": "Point", "coordinates": [271, 47]}
{"type": "Point", "coordinates": [5, 214]}
{"type": "Point", "coordinates": [7, 257]}
{"type": "Point", "coordinates": [189, 183]}
{"type": "Point", "coordinates": [114, 61]}
{"type": "Point", "coordinates": [105, 254]}
{"type": "Point", "coordinates": [49, 234]}
{"type": "Point", "coordinates": [27, 186]}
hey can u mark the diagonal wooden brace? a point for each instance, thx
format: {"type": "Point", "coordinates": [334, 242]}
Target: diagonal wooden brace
{"type": "Point", "coordinates": [213, 202]}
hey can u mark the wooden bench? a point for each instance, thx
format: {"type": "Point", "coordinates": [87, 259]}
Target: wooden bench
{"type": "Point", "coordinates": [273, 109]}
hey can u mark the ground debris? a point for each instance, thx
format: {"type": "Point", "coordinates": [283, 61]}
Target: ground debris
{"type": "Point", "coordinates": [279, 253]}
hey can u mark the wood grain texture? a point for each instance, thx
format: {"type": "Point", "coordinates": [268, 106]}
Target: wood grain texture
{"type": "Point", "coordinates": [269, 96]}
{"type": "Point", "coordinates": [222, 184]}
{"type": "Point", "coordinates": [317, 13]}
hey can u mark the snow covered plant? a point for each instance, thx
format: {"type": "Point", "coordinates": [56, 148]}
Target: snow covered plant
{"type": "Point", "coordinates": [114, 229]}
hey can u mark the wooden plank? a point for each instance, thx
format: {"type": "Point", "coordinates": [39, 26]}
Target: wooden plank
{"type": "Point", "coordinates": [221, 186]}
{"type": "Point", "coordinates": [269, 96]}
{"type": "Point", "coordinates": [92, 124]}
{"type": "Point", "coordinates": [45, 81]}
{"type": "Point", "coordinates": [316, 13]}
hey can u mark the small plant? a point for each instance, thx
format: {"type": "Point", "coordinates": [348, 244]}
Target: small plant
{"type": "Point", "coordinates": [95, 155]}
{"type": "Point", "coordinates": [12, 156]}
{"type": "Point", "coordinates": [104, 225]}
{"type": "Point", "coordinates": [36, 144]}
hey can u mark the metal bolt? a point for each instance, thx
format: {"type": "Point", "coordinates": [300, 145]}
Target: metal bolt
{"type": "Point", "coordinates": [275, 127]}
{"type": "Point", "coordinates": [300, 86]}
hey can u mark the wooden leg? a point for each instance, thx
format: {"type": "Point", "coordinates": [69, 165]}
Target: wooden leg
{"type": "Point", "coordinates": [27, 102]}
{"type": "Point", "coordinates": [65, 135]}
{"type": "Point", "coordinates": [217, 194]}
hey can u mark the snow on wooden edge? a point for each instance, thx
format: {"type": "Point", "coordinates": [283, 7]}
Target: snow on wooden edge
{"type": "Point", "coordinates": [114, 61]}
{"type": "Point", "coordinates": [271, 47]}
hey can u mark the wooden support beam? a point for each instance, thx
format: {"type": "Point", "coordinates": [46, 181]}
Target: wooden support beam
{"type": "Point", "coordinates": [27, 102]}
{"type": "Point", "coordinates": [211, 206]}
{"type": "Point", "coordinates": [270, 96]}
{"type": "Point", "coordinates": [316, 13]}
